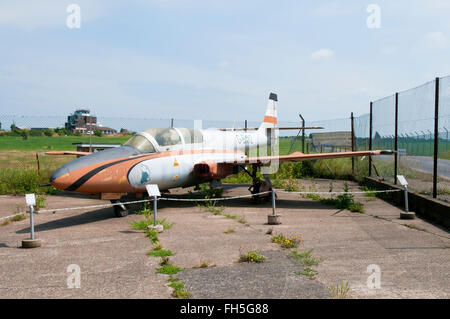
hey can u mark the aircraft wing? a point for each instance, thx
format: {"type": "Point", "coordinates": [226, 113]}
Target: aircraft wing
{"type": "Point", "coordinates": [298, 157]}
{"type": "Point", "coordinates": [67, 153]}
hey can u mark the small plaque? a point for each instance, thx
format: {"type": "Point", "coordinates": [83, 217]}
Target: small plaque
{"type": "Point", "coordinates": [30, 199]}
{"type": "Point", "coordinates": [153, 190]}
{"type": "Point", "coordinates": [402, 180]}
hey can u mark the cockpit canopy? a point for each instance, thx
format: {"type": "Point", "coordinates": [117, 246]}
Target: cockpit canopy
{"type": "Point", "coordinates": [151, 140]}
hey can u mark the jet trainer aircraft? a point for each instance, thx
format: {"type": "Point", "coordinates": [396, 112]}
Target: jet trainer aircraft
{"type": "Point", "coordinates": [178, 157]}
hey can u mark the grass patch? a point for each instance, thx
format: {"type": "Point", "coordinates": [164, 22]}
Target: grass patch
{"type": "Point", "coordinates": [179, 291]}
{"type": "Point", "coordinates": [164, 223]}
{"type": "Point", "coordinates": [229, 231]}
{"type": "Point", "coordinates": [369, 192]}
{"type": "Point", "coordinates": [308, 272]}
{"type": "Point", "coordinates": [152, 235]}
{"type": "Point", "coordinates": [213, 209]}
{"type": "Point", "coordinates": [146, 210]}
{"type": "Point", "coordinates": [143, 224]}
{"type": "Point", "coordinates": [40, 202]}
{"type": "Point", "coordinates": [251, 257]}
{"type": "Point", "coordinates": [340, 291]}
{"type": "Point", "coordinates": [168, 269]}
{"type": "Point", "coordinates": [242, 220]}
{"type": "Point", "coordinates": [305, 258]}
{"type": "Point", "coordinates": [343, 201]}
{"type": "Point", "coordinates": [160, 253]}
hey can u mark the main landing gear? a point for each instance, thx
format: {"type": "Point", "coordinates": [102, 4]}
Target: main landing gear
{"type": "Point", "coordinates": [259, 186]}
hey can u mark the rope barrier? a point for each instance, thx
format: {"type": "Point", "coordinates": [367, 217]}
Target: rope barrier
{"type": "Point", "coordinates": [190, 200]}
{"type": "Point", "coordinates": [333, 193]}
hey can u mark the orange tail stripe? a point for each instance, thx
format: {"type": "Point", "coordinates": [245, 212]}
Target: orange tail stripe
{"type": "Point", "coordinates": [270, 119]}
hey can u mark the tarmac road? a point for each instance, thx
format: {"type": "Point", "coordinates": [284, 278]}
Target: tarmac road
{"type": "Point", "coordinates": [421, 163]}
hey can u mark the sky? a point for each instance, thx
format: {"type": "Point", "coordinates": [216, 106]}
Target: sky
{"type": "Point", "coordinates": [216, 60]}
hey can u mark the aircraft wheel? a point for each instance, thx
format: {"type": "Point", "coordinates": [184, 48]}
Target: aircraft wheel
{"type": "Point", "coordinates": [119, 211]}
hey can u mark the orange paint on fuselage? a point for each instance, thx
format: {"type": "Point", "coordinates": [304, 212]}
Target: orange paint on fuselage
{"type": "Point", "coordinates": [113, 179]}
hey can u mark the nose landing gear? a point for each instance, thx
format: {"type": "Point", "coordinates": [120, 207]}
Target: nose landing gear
{"type": "Point", "coordinates": [120, 210]}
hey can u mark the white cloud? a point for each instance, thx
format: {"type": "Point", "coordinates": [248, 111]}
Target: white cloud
{"type": "Point", "coordinates": [322, 54]}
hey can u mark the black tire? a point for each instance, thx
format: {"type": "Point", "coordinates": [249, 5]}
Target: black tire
{"type": "Point", "coordinates": [119, 211]}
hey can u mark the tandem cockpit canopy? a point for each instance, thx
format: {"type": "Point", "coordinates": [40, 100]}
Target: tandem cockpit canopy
{"type": "Point", "coordinates": [150, 140]}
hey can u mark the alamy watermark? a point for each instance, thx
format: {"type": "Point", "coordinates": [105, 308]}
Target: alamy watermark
{"type": "Point", "coordinates": [374, 19]}
{"type": "Point", "coordinates": [73, 20]}
{"type": "Point", "coordinates": [74, 279]}
{"type": "Point", "coordinates": [374, 279]}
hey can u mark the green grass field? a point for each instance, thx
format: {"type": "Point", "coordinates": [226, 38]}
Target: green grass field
{"type": "Point", "coordinates": [58, 143]}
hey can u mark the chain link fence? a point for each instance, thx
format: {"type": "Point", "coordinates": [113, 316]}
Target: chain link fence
{"type": "Point", "coordinates": [415, 123]}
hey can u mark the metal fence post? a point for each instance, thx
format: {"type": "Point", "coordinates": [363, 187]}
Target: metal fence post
{"type": "Point", "coordinates": [396, 140]}
{"type": "Point", "coordinates": [353, 141]}
{"type": "Point", "coordinates": [436, 136]}
{"type": "Point", "coordinates": [370, 139]}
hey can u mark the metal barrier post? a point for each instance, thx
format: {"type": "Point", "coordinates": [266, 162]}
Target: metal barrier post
{"type": "Point", "coordinates": [405, 188]}
{"type": "Point", "coordinates": [273, 202]}
{"type": "Point", "coordinates": [273, 219]}
{"type": "Point", "coordinates": [155, 208]}
{"type": "Point", "coordinates": [407, 214]}
{"type": "Point", "coordinates": [32, 242]}
{"type": "Point", "coordinates": [31, 222]}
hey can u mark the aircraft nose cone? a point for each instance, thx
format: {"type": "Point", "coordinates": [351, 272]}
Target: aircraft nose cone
{"type": "Point", "coordinates": [63, 178]}
{"type": "Point", "coordinates": [58, 173]}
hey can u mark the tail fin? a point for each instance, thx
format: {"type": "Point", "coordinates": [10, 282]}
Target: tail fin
{"type": "Point", "coordinates": [270, 119]}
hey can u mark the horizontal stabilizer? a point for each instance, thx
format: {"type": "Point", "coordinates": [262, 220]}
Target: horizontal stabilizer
{"type": "Point", "coordinates": [67, 153]}
{"type": "Point", "coordinates": [278, 128]}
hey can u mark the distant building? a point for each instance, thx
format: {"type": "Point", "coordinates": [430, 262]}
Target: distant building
{"type": "Point", "coordinates": [82, 121]}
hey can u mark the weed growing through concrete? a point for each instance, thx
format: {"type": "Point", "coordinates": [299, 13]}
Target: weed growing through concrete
{"type": "Point", "coordinates": [152, 235]}
{"type": "Point", "coordinates": [178, 288]}
{"type": "Point", "coordinates": [147, 221]}
{"type": "Point", "coordinates": [340, 291]}
{"type": "Point", "coordinates": [308, 272]}
{"type": "Point", "coordinates": [343, 201]}
{"type": "Point", "coordinates": [146, 210]}
{"type": "Point", "coordinates": [160, 253]}
{"type": "Point", "coordinates": [229, 231]}
{"type": "Point", "coordinates": [242, 220]}
{"type": "Point", "coordinates": [369, 192]}
{"type": "Point", "coordinates": [168, 270]}
{"type": "Point", "coordinates": [251, 257]}
{"type": "Point", "coordinates": [40, 202]}
{"type": "Point", "coordinates": [141, 224]}
{"type": "Point", "coordinates": [305, 258]}
{"type": "Point", "coordinates": [287, 242]}
{"type": "Point", "coordinates": [205, 264]}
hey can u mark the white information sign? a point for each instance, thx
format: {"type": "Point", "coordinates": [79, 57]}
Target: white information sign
{"type": "Point", "coordinates": [402, 180]}
{"type": "Point", "coordinates": [30, 199]}
{"type": "Point", "coordinates": [153, 190]}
